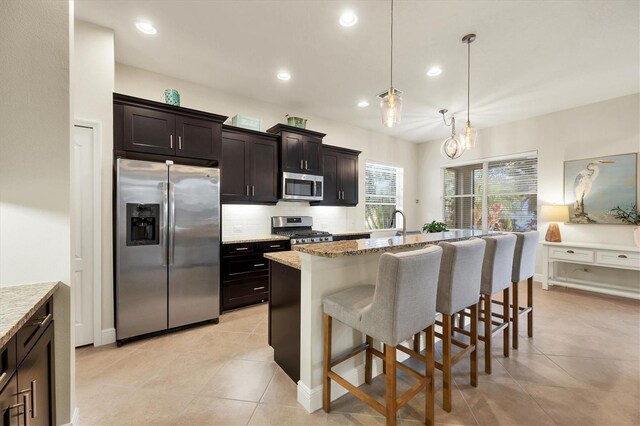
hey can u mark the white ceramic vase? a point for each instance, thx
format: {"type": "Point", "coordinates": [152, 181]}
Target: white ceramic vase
{"type": "Point", "coordinates": [636, 235]}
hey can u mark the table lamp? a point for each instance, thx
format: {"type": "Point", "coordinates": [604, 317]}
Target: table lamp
{"type": "Point", "coordinates": [554, 214]}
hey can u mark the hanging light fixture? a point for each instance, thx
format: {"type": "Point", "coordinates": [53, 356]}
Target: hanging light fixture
{"type": "Point", "coordinates": [452, 146]}
{"type": "Point", "coordinates": [391, 103]}
{"type": "Point", "coordinates": [470, 134]}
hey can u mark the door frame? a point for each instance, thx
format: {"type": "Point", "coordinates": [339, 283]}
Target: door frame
{"type": "Point", "coordinates": [96, 128]}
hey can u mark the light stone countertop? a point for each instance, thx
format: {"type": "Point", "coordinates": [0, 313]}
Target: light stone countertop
{"type": "Point", "coordinates": [380, 245]}
{"type": "Point", "coordinates": [18, 303]}
{"type": "Point", "coordinates": [288, 258]}
{"type": "Point", "coordinates": [257, 239]}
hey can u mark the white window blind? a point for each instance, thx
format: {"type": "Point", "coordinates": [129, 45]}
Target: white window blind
{"type": "Point", "coordinates": [383, 194]}
{"type": "Point", "coordinates": [507, 203]}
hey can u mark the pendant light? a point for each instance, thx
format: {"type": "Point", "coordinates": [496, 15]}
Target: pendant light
{"type": "Point", "coordinates": [452, 147]}
{"type": "Point", "coordinates": [391, 103]}
{"type": "Point", "coordinates": [470, 134]}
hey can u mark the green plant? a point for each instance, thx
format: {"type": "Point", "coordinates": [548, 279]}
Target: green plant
{"type": "Point", "coordinates": [434, 227]}
{"type": "Point", "coordinates": [629, 216]}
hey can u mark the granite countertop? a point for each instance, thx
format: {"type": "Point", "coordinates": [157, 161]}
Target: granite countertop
{"type": "Point", "coordinates": [257, 239]}
{"type": "Point", "coordinates": [18, 303]}
{"type": "Point", "coordinates": [380, 245]}
{"type": "Point", "coordinates": [288, 258]}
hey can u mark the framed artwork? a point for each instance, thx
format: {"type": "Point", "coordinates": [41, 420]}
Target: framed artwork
{"type": "Point", "coordinates": [594, 186]}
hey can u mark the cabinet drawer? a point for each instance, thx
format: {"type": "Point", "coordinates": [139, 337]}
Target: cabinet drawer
{"type": "Point", "coordinates": [572, 254]}
{"type": "Point", "coordinates": [233, 249]}
{"type": "Point", "coordinates": [271, 246]}
{"type": "Point", "coordinates": [29, 334]}
{"type": "Point", "coordinates": [243, 293]}
{"type": "Point", "coordinates": [623, 259]}
{"type": "Point", "coordinates": [7, 361]}
{"type": "Point", "coordinates": [245, 266]}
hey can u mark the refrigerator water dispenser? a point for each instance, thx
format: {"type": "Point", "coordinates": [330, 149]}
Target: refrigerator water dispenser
{"type": "Point", "coordinates": [143, 224]}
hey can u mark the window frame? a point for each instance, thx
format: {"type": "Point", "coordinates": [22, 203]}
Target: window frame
{"type": "Point", "coordinates": [399, 196]}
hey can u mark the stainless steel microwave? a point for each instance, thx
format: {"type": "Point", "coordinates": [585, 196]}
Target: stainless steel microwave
{"type": "Point", "coordinates": [298, 187]}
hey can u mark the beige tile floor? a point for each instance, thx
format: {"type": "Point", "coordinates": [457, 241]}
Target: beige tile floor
{"type": "Point", "coordinates": [582, 367]}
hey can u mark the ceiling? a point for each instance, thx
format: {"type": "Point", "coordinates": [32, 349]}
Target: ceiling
{"type": "Point", "coordinates": [530, 57]}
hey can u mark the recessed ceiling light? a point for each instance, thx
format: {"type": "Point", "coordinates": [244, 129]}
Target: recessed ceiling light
{"type": "Point", "coordinates": [146, 27]}
{"type": "Point", "coordinates": [284, 76]}
{"type": "Point", "coordinates": [363, 104]}
{"type": "Point", "coordinates": [434, 71]}
{"type": "Point", "coordinates": [348, 19]}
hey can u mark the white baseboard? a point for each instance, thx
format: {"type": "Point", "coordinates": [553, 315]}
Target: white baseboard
{"type": "Point", "coordinates": [108, 336]}
{"type": "Point", "coordinates": [75, 419]}
{"type": "Point", "coordinates": [537, 277]}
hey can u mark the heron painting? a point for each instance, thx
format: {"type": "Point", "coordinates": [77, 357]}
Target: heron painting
{"type": "Point", "coordinates": [594, 186]}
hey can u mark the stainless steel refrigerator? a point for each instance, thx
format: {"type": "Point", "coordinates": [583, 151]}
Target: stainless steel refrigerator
{"type": "Point", "coordinates": [167, 246]}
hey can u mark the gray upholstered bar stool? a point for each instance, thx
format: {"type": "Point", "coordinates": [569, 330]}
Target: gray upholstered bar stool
{"type": "Point", "coordinates": [496, 276]}
{"type": "Point", "coordinates": [459, 289]}
{"type": "Point", "coordinates": [524, 266]}
{"type": "Point", "coordinates": [402, 303]}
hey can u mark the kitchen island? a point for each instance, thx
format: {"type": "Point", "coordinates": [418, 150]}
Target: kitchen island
{"type": "Point", "coordinates": [323, 269]}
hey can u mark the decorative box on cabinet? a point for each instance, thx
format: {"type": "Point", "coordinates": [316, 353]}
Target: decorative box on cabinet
{"type": "Point", "coordinates": [340, 171]}
{"type": "Point", "coordinates": [300, 149]}
{"type": "Point", "coordinates": [602, 268]}
{"type": "Point", "coordinates": [245, 272]}
{"type": "Point", "coordinates": [26, 372]}
{"type": "Point", "coordinates": [249, 167]}
{"type": "Point", "coordinates": [155, 128]}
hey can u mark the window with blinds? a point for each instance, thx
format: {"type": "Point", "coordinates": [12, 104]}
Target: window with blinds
{"type": "Point", "coordinates": [383, 194]}
{"type": "Point", "coordinates": [507, 202]}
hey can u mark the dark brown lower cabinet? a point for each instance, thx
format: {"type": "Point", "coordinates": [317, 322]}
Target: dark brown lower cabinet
{"type": "Point", "coordinates": [26, 398]}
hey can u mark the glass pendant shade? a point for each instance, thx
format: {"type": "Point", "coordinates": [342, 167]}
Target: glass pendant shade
{"type": "Point", "coordinates": [469, 136]}
{"type": "Point", "coordinates": [391, 108]}
{"type": "Point", "coordinates": [452, 147]}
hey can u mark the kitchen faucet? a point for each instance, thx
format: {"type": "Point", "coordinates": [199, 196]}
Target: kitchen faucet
{"type": "Point", "coordinates": [404, 221]}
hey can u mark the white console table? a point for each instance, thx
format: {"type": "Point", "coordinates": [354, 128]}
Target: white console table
{"type": "Point", "coordinates": [593, 256]}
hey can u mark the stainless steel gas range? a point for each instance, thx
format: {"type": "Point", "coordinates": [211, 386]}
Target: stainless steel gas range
{"type": "Point", "coordinates": [299, 229]}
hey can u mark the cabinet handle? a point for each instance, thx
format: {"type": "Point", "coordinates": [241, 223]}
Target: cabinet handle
{"type": "Point", "coordinates": [622, 256]}
{"type": "Point", "coordinates": [271, 246]}
{"type": "Point", "coordinates": [247, 190]}
{"type": "Point", "coordinates": [258, 264]}
{"type": "Point", "coordinates": [253, 190]}
{"type": "Point", "coordinates": [306, 165]}
{"type": "Point", "coordinates": [570, 251]}
{"type": "Point", "coordinates": [3, 375]}
{"type": "Point", "coordinates": [171, 140]}
{"type": "Point", "coordinates": [258, 288]}
{"type": "Point", "coordinates": [25, 411]}
{"type": "Point", "coordinates": [242, 248]}
{"type": "Point", "coordinates": [301, 164]}
{"type": "Point", "coordinates": [179, 142]}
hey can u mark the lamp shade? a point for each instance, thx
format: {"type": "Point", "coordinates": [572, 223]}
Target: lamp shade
{"type": "Point", "coordinates": [554, 213]}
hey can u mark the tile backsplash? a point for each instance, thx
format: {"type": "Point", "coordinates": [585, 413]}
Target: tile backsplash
{"type": "Point", "coordinates": [253, 220]}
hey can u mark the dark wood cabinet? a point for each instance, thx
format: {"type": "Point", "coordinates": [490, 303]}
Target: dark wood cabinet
{"type": "Point", "coordinates": [249, 167]}
{"type": "Point", "coordinates": [340, 171]}
{"type": "Point", "coordinates": [164, 131]}
{"type": "Point", "coordinates": [245, 273]}
{"type": "Point", "coordinates": [26, 372]}
{"type": "Point", "coordinates": [300, 149]}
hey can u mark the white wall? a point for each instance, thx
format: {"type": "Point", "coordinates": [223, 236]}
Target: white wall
{"type": "Point", "coordinates": [93, 82]}
{"type": "Point", "coordinates": [604, 128]}
{"type": "Point", "coordinates": [35, 47]}
{"type": "Point", "coordinates": [374, 146]}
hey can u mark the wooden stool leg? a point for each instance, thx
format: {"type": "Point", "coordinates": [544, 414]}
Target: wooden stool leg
{"type": "Point", "coordinates": [515, 315]}
{"type": "Point", "coordinates": [416, 342]}
{"type": "Point", "coordinates": [487, 333]}
{"type": "Point", "coordinates": [384, 363]}
{"type": "Point", "coordinates": [530, 305]}
{"type": "Point", "coordinates": [446, 363]}
{"type": "Point", "coordinates": [429, 409]}
{"type": "Point", "coordinates": [326, 364]}
{"type": "Point", "coordinates": [474, 342]}
{"type": "Point", "coordinates": [505, 314]}
{"type": "Point", "coordinates": [392, 402]}
{"type": "Point", "coordinates": [368, 361]}
{"type": "Point", "coordinates": [461, 319]}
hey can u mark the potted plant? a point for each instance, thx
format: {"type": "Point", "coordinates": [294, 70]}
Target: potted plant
{"type": "Point", "coordinates": [629, 216]}
{"type": "Point", "coordinates": [434, 227]}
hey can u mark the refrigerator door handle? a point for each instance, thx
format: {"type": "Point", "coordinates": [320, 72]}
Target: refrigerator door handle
{"type": "Point", "coordinates": [172, 223]}
{"type": "Point", "coordinates": [165, 221]}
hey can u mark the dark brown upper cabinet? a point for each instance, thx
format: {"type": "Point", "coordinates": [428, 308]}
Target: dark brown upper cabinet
{"type": "Point", "coordinates": [249, 167]}
{"type": "Point", "coordinates": [300, 149]}
{"type": "Point", "coordinates": [155, 128]}
{"type": "Point", "coordinates": [340, 167]}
